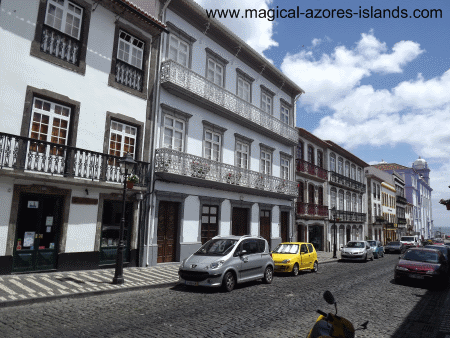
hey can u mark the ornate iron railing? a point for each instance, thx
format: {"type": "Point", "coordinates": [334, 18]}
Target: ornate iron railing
{"type": "Point", "coordinates": [176, 162]}
{"type": "Point", "coordinates": [401, 220]}
{"type": "Point", "coordinates": [401, 199]}
{"type": "Point", "coordinates": [30, 155]}
{"type": "Point", "coordinates": [63, 46]}
{"type": "Point", "coordinates": [378, 219]}
{"type": "Point", "coordinates": [311, 169]}
{"type": "Point", "coordinates": [128, 75]}
{"type": "Point", "coordinates": [311, 209]}
{"type": "Point", "coordinates": [194, 83]}
{"type": "Point", "coordinates": [348, 216]}
{"type": "Point", "coordinates": [346, 181]}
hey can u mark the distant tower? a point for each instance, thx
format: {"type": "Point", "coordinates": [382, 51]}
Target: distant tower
{"type": "Point", "coordinates": [421, 166]}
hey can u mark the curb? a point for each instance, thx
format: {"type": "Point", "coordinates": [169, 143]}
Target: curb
{"type": "Point", "coordinates": [19, 302]}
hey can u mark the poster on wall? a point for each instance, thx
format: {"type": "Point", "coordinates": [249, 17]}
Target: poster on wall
{"type": "Point", "coordinates": [49, 221]}
{"type": "Point", "coordinates": [33, 204]}
{"type": "Point", "coordinates": [28, 239]}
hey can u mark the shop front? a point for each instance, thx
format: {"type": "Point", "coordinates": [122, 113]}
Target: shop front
{"type": "Point", "coordinates": [315, 235]}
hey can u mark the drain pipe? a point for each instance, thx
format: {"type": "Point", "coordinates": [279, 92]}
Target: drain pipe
{"type": "Point", "coordinates": [151, 188]}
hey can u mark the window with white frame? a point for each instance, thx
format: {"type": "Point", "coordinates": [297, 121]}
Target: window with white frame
{"type": "Point", "coordinates": [354, 206]}
{"type": "Point", "coordinates": [122, 139]}
{"type": "Point", "coordinates": [243, 89]}
{"type": "Point", "coordinates": [178, 50]}
{"type": "Point", "coordinates": [348, 202]}
{"type": "Point", "coordinates": [341, 199]}
{"type": "Point", "coordinates": [333, 197]}
{"type": "Point", "coordinates": [332, 163]}
{"type": "Point", "coordinates": [285, 114]}
{"type": "Point", "coordinates": [173, 131]}
{"type": "Point", "coordinates": [284, 167]}
{"type": "Point", "coordinates": [374, 188]}
{"type": "Point", "coordinates": [130, 50]}
{"type": "Point", "coordinates": [266, 161]}
{"type": "Point", "coordinates": [340, 166]}
{"type": "Point", "coordinates": [353, 172]}
{"type": "Point", "coordinates": [212, 145]}
{"type": "Point", "coordinates": [347, 169]}
{"type": "Point", "coordinates": [359, 177]}
{"type": "Point", "coordinates": [49, 122]}
{"type": "Point", "coordinates": [64, 16]}
{"type": "Point", "coordinates": [215, 67]}
{"type": "Point", "coordinates": [266, 102]}
{"type": "Point", "coordinates": [242, 154]}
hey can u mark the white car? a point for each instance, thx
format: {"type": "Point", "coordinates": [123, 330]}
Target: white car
{"type": "Point", "coordinates": [357, 250]}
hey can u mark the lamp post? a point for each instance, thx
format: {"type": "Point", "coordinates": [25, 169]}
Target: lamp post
{"type": "Point", "coordinates": [126, 165]}
{"type": "Point", "coordinates": [333, 212]}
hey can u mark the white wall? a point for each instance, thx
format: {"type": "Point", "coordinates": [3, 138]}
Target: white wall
{"type": "Point", "coordinates": [6, 189]}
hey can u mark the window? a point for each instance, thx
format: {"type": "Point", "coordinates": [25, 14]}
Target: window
{"type": "Point", "coordinates": [347, 169]}
{"type": "Point", "coordinates": [310, 154]}
{"type": "Point", "coordinates": [244, 85]}
{"type": "Point", "coordinates": [340, 166]}
{"type": "Point", "coordinates": [122, 139]}
{"type": "Point", "coordinates": [353, 172]}
{"type": "Point", "coordinates": [341, 199]}
{"type": "Point", "coordinates": [62, 28]}
{"type": "Point", "coordinates": [284, 167]}
{"type": "Point", "coordinates": [266, 162]}
{"type": "Point", "coordinates": [209, 228]}
{"type": "Point", "coordinates": [179, 45]}
{"type": "Point", "coordinates": [354, 206]}
{"type": "Point", "coordinates": [285, 113]}
{"type": "Point", "coordinates": [378, 192]}
{"type": "Point", "coordinates": [173, 133]}
{"type": "Point", "coordinates": [374, 188]}
{"type": "Point", "coordinates": [319, 159]}
{"type": "Point", "coordinates": [215, 68]}
{"type": "Point", "coordinates": [130, 50]}
{"type": "Point", "coordinates": [267, 100]}
{"type": "Point", "coordinates": [333, 198]}
{"type": "Point", "coordinates": [300, 150]}
{"type": "Point", "coordinates": [348, 202]}
{"type": "Point", "coordinates": [332, 163]}
{"type": "Point", "coordinates": [49, 122]}
{"type": "Point", "coordinates": [212, 141]}
{"type": "Point", "coordinates": [359, 176]}
{"type": "Point", "coordinates": [320, 196]}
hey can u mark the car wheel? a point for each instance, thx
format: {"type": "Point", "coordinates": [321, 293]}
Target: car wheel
{"type": "Point", "coordinates": [229, 282]}
{"type": "Point", "coordinates": [268, 275]}
{"type": "Point", "coordinates": [295, 270]}
{"type": "Point", "coordinates": [365, 258]}
{"type": "Point", "coordinates": [372, 257]}
{"type": "Point", "coordinates": [315, 267]}
{"type": "Point", "coordinates": [377, 256]}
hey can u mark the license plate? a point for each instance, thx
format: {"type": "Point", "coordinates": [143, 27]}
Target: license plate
{"type": "Point", "coordinates": [416, 276]}
{"type": "Point", "coordinates": [188, 282]}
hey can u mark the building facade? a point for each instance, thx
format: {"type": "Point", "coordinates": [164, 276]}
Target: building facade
{"type": "Point", "coordinates": [312, 200]}
{"type": "Point", "coordinates": [77, 77]}
{"type": "Point", "coordinates": [225, 139]}
{"type": "Point", "coordinates": [347, 195]}
{"type": "Point", "coordinates": [388, 210]}
{"type": "Point", "coordinates": [375, 178]}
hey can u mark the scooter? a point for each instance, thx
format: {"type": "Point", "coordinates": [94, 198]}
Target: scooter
{"type": "Point", "coordinates": [329, 325]}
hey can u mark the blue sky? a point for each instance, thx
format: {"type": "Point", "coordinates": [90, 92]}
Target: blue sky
{"type": "Point", "coordinates": [379, 87]}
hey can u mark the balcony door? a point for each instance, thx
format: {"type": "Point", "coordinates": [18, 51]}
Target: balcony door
{"type": "Point", "coordinates": [167, 231]}
{"type": "Point", "coordinates": [210, 226]}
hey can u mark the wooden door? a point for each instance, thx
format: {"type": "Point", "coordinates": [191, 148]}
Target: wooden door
{"type": "Point", "coordinates": [240, 222]}
{"type": "Point", "coordinates": [284, 224]}
{"type": "Point", "coordinates": [167, 231]}
{"type": "Point", "coordinates": [264, 224]}
{"type": "Point", "coordinates": [210, 227]}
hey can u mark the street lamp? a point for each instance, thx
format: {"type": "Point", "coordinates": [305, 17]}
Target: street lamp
{"type": "Point", "coordinates": [333, 212]}
{"type": "Point", "coordinates": [126, 166]}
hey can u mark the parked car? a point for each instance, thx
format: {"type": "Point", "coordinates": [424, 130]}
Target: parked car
{"type": "Point", "coordinates": [228, 260]}
{"type": "Point", "coordinates": [377, 247]}
{"type": "Point", "coordinates": [394, 247]}
{"type": "Point", "coordinates": [295, 256]}
{"type": "Point", "coordinates": [422, 263]}
{"type": "Point", "coordinates": [357, 250]}
{"type": "Point", "coordinates": [438, 241]}
{"type": "Point", "coordinates": [444, 249]}
{"type": "Point", "coordinates": [410, 241]}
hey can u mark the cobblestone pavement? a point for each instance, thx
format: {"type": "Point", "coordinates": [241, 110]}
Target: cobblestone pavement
{"type": "Point", "coordinates": [285, 308]}
{"type": "Point", "coordinates": [26, 288]}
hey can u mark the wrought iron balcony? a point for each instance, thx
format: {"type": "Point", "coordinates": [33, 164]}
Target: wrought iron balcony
{"type": "Point", "coordinates": [311, 169]}
{"type": "Point", "coordinates": [401, 199]}
{"type": "Point", "coordinates": [198, 88]}
{"type": "Point", "coordinates": [348, 216]}
{"type": "Point", "coordinates": [309, 209]}
{"type": "Point", "coordinates": [180, 163]}
{"type": "Point", "coordinates": [25, 154]}
{"type": "Point", "coordinates": [401, 220]}
{"type": "Point", "coordinates": [128, 75]}
{"type": "Point", "coordinates": [347, 182]}
{"type": "Point", "coordinates": [378, 219]}
{"type": "Point", "coordinates": [60, 45]}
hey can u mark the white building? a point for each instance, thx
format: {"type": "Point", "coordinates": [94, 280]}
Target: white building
{"type": "Point", "coordinates": [312, 209]}
{"type": "Point", "coordinates": [76, 77]}
{"type": "Point", "coordinates": [375, 178]}
{"type": "Point", "coordinates": [224, 152]}
{"type": "Point", "coordinates": [347, 194]}
{"type": "Point", "coordinates": [388, 210]}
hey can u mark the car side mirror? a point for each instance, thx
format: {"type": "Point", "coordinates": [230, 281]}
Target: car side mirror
{"type": "Point", "coordinates": [399, 257]}
{"type": "Point", "coordinates": [243, 252]}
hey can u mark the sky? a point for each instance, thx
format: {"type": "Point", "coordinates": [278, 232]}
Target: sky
{"type": "Point", "coordinates": [379, 87]}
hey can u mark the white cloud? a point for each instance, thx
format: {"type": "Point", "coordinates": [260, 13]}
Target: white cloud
{"type": "Point", "coordinates": [256, 32]}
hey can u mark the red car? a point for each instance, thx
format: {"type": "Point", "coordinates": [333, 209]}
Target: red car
{"type": "Point", "coordinates": [438, 241]}
{"type": "Point", "coordinates": [422, 264]}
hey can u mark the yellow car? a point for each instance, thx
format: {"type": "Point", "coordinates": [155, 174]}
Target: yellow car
{"type": "Point", "coordinates": [295, 256]}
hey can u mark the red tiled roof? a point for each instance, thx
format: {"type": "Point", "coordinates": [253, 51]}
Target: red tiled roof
{"type": "Point", "coordinates": [389, 166]}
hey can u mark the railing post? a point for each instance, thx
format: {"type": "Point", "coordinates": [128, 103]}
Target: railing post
{"type": "Point", "coordinates": [69, 170]}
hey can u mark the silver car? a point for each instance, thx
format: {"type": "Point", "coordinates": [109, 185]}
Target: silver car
{"type": "Point", "coordinates": [357, 250]}
{"type": "Point", "coordinates": [228, 260]}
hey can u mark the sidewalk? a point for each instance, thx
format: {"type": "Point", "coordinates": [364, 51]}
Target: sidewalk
{"type": "Point", "coordinates": [38, 287]}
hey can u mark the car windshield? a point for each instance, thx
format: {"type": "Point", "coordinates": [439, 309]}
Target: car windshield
{"type": "Point", "coordinates": [217, 247]}
{"type": "Point", "coordinates": [372, 243]}
{"type": "Point", "coordinates": [355, 245]}
{"type": "Point", "coordinates": [441, 248]}
{"type": "Point", "coordinates": [407, 239]}
{"type": "Point", "coordinates": [422, 256]}
{"type": "Point", "coordinates": [394, 243]}
{"type": "Point", "coordinates": [286, 249]}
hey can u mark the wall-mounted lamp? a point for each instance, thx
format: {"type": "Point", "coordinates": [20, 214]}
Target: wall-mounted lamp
{"type": "Point", "coordinates": [139, 196]}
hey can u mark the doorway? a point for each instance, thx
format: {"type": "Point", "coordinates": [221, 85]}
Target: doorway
{"type": "Point", "coordinates": [284, 224]}
{"type": "Point", "coordinates": [316, 236]}
{"type": "Point", "coordinates": [37, 235]}
{"type": "Point", "coordinates": [210, 226]}
{"type": "Point", "coordinates": [264, 225]}
{"type": "Point", "coordinates": [240, 222]}
{"type": "Point", "coordinates": [167, 231]}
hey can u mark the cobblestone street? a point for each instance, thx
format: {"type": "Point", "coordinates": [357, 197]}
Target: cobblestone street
{"type": "Point", "coordinates": [286, 308]}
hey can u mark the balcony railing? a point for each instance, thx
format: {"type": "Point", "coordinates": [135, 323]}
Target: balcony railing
{"type": "Point", "coordinates": [401, 199]}
{"type": "Point", "coordinates": [346, 181]}
{"type": "Point", "coordinates": [348, 216]}
{"type": "Point", "coordinates": [311, 209]}
{"type": "Point", "coordinates": [58, 44]}
{"type": "Point", "coordinates": [172, 72]}
{"type": "Point", "coordinates": [378, 219]}
{"type": "Point", "coordinates": [401, 220]}
{"type": "Point", "coordinates": [30, 155]}
{"type": "Point", "coordinates": [306, 167]}
{"type": "Point", "coordinates": [128, 75]}
{"type": "Point", "coordinates": [176, 162]}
